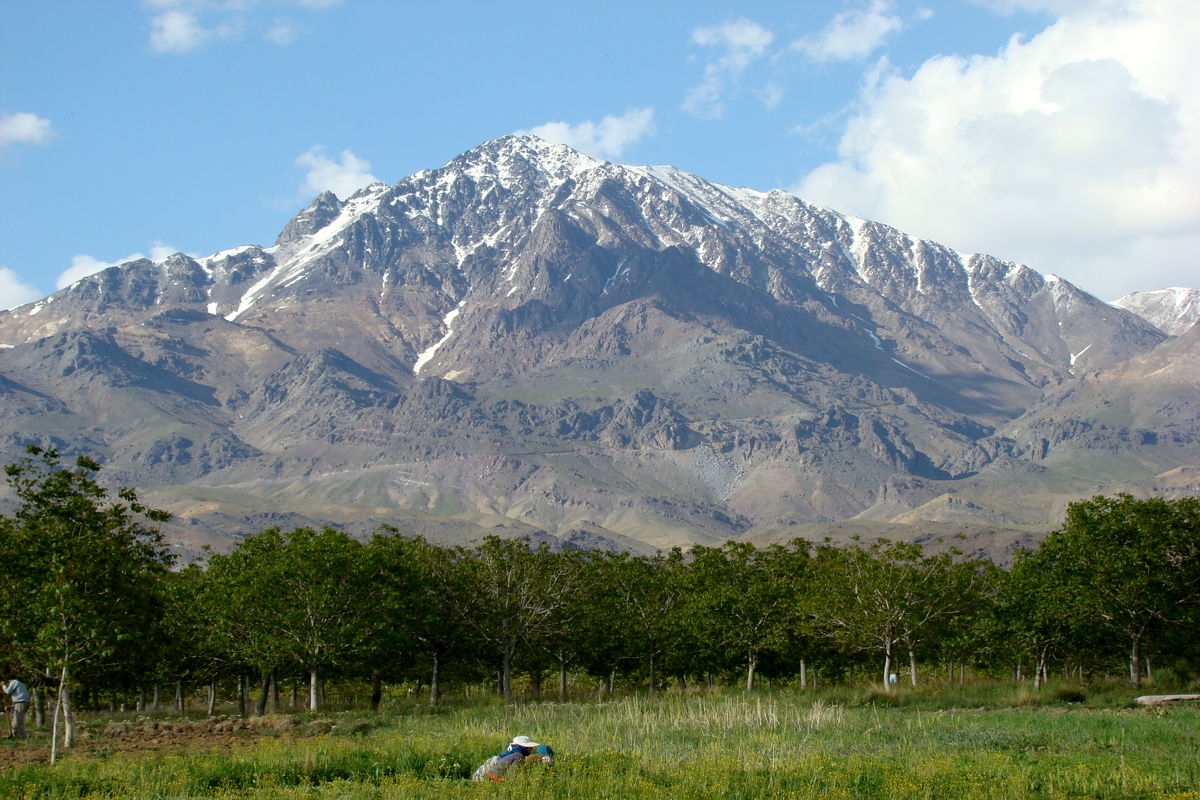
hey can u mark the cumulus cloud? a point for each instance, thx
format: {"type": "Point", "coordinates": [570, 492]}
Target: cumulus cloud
{"type": "Point", "coordinates": [1076, 151]}
{"type": "Point", "coordinates": [13, 291]}
{"type": "Point", "coordinates": [738, 44]}
{"type": "Point", "coordinates": [852, 34]}
{"type": "Point", "coordinates": [83, 265]}
{"type": "Point", "coordinates": [605, 139]}
{"type": "Point", "coordinates": [343, 177]}
{"type": "Point", "coordinates": [24, 128]}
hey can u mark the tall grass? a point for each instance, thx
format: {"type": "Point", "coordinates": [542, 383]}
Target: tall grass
{"type": "Point", "coordinates": [779, 744]}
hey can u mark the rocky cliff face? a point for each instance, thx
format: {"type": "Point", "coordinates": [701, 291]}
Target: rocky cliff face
{"type": "Point", "coordinates": [529, 337]}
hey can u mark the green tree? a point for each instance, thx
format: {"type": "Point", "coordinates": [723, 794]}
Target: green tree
{"type": "Point", "coordinates": [414, 593]}
{"type": "Point", "coordinates": [295, 598]}
{"type": "Point", "coordinates": [83, 573]}
{"type": "Point", "coordinates": [1132, 564]}
{"type": "Point", "coordinates": [889, 596]}
{"type": "Point", "coordinates": [514, 596]}
{"type": "Point", "coordinates": [740, 599]}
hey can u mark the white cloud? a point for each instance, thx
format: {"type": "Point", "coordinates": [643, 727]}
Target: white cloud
{"type": "Point", "coordinates": [343, 178]}
{"type": "Point", "coordinates": [1077, 151]}
{"type": "Point", "coordinates": [738, 43]}
{"type": "Point", "coordinates": [13, 291]}
{"type": "Point", "coordinates": [852, 34]}
{"type": "Point", "coordinates": [605, 139]}
{"type": "Point", "coordinates": [184, 26]}
{"type": "Point", "coordinates": [282, 33]}
{"type": "Point", "coordinates": [24, 128]}
{"type": "Point", "coordinates": [83, 265]}
{"type": "Point", "coordinates": [177, 31]}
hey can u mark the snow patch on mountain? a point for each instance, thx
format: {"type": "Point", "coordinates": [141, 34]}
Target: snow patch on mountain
{"type": "Point", "coordinates": [447, 323]}
{"type": "Point", "coordinates": [291, 269]}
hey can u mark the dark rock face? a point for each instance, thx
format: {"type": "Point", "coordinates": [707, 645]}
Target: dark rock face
{"type": "Point", "coordinates": [532, 339]}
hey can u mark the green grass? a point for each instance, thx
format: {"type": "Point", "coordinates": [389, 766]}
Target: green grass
{"type": "Point", "coordinates": [782, 744]}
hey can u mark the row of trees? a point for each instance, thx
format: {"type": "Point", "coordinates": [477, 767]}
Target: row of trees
{"type": "Point", "coordinates": [90, 600]}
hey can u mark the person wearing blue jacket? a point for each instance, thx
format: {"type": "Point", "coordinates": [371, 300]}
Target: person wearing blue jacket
{"type": "Point", "coordinates": [18, 696]}
{"type": "Point", "coordinates": [521, 750]}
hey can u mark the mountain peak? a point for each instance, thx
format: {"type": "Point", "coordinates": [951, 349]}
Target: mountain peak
{"type": "Point", "coordinates": [515, 156]}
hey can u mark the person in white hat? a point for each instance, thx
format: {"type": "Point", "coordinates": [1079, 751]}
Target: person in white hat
{"type": "Point", "coordinates": [521, 750]}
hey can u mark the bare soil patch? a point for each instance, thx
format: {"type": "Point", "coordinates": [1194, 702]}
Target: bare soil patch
{"type": "Point", "coordinates": [145, 735]}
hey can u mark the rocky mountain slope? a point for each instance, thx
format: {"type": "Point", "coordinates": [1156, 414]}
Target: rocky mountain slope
{"type": "Point", "coordinates": [528, 340]}
{"type": "Point", "coordinates": [1172, 310]}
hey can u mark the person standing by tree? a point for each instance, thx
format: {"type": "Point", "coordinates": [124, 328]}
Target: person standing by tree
{"type": "Point", "coordinates": [18, 695]}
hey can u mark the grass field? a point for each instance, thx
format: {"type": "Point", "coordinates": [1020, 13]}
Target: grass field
{"type": "Point", "coordinates": [781, 744]}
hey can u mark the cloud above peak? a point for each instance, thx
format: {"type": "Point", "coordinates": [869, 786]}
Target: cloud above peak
{"type": "Point", "coordinates": [735, 45]}
{"type": "Point", "coordinates": [606, 139]}
{"type": "Point", "coordinates": [343, 176]}
{"type": "Point", "coordinates": [1076, 151]}
{"type": "Point", "coordinates": [13, 291]}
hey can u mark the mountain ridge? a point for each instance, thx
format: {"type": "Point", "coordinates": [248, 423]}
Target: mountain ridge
{"type": "Point", "coordinates": [624, 349]}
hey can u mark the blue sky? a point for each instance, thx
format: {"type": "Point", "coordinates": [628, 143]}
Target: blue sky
{"type": "Point", "coordinates": [1060, 133]}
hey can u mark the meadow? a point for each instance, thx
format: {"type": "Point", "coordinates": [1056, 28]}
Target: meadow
{"type": "Point", "coordinates": [983, 742]}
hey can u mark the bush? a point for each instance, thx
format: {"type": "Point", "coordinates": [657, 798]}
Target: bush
{"type": "Point", "coordinates": [1069, 694]}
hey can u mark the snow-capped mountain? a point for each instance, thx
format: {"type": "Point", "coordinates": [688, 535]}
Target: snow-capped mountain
{"type": "Point", "coordinates": [1172, 310]}
{"type": "Point", "coordinates": [532, 338]}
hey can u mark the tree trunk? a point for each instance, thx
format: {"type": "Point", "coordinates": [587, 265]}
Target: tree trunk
{"type": "Point", "coordinates": [435, 681]}
{"type": "Point", "coordinates": [912, 666]}
{"type": "Point", "coordinates": [64, 693]}
{"type": "Point", "coordinates": [535, 685]}
{"type": "Point", "coordinates": [681, 682]}
{"type": "Point", "coordinates": [260, 708]}
{"type": "Point", "coordinates": [39, 707]}
{"type": "Point", "coordinates": [296, 693]}
{"type": "Point", "coordinates": [212, 698]}
{"type": "Point", "coordinates": [653, 677]}
{"type": "Point", "coordinates": [156, 703]}
{"type": "Point", "coordinates": [1038, 667]}
{"type": "Point", "coordinates": [612, 679]}
{"type": "Point", "coordinates": [376, 689]}
{"type": "Point", "coordinates": [803, 674]}
{"type": "Point", "coordinates": [751, 664]}
{"type": "Point", "coordinates": [314, 695]}
{"type": "Point", "coordinates": [562, 680]}
{"type": "Point", "coordinates": [506, 659]}
{"type": "Point", "coordinates": [141, 701]}
{"type": "Point", "coordinates": [1135, 661]}
{"type": "Point", "coordinates": [178, 697]}
{"type": "Point", "coordinates": [274, 705]}
{"type": "Point", "coordinates": [58, 704]}
{"type": "Point", "coordinates": [887, 669]}
{"type": "Point", "coordinates": [243, 692]}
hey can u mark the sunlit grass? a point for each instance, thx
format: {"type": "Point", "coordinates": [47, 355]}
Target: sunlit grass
{"type": "Point", "coordinates": [781, 744]}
